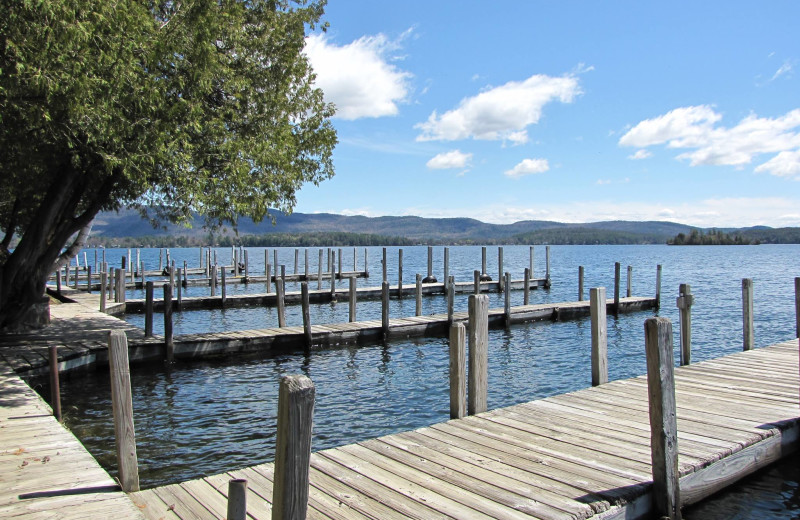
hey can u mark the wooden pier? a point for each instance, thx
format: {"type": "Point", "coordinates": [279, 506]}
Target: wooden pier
{"type": "Point", "coordinates": [584, 454]}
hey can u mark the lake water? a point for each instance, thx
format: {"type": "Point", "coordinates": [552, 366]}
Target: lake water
{"type": "Point", "coordinates": [206, 417]}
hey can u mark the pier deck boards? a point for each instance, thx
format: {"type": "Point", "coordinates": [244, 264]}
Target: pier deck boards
{"type": "Point", "coordinates": [44, 471]}
{"type": "Point", "coordinates": [584, 454]}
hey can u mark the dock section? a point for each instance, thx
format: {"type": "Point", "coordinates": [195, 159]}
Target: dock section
{"type": "Point", "coordinates": [580, 455]}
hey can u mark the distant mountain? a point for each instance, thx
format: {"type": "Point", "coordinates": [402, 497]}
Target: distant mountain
{"type": "Point", "coordinates": [128, 223]}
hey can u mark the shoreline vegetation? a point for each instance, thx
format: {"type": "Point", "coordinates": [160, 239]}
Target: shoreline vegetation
{"type": "Point", "coordinates": [713, 237]}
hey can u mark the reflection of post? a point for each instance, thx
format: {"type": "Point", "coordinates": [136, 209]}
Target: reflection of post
{"type": "Point", "coordinates": [684, 303]}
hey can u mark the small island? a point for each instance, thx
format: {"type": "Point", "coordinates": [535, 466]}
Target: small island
{"type": "Point", "coordinates": [714, 237]}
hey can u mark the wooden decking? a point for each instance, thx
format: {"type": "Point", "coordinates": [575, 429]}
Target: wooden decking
{"type": "Point", "coordinates": [579, 455]}
{"type": "Point", "coordinates": [44, 471]}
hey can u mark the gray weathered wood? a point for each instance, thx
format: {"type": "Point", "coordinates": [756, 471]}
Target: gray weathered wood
{"type": "Point", "coordinates": [355, 260]}
{"type": "Point", "coordinates": [237, 499]}
{"type": "Point", "coordinates": [597, 305]}
{"type": "Point", "coordinates": [319, 271]}
{"type": "Point", "coordinates": [418, 295]}
{"type": "Point", "coordinates": [89, 278]}
{"type": "Point", "coordinates": [280, 290]}
{"type": "Point", "coordinates": [297, 260]}
{"type": "Point", "coordinates": [629, 287]}
{"type": "Point", "coordinates": [293, 448]}
{"type": "Point", "coordinates": [658, 286]}
{"type": "Point", "coordinates": [333, 275]}
{"type": "Point", "coordinates": [58, 285]}
{"type": "Point", "coordinates": [580, 283]}
{"type": "Point", "coordinates": [478, 377]}
{"type": "Point", "coordinates": [547, 266]}
{"type": "Point", "coordinates": [797, 306]}
{"type": "Point", "coordinates": [530, 260]}
{"type": "Point", "coordinates": [305, 262]}
{"type": "Point", "coordinates": [168, 343]}
{"type": "Point", "coordinates": [148, 309]}
{"type": "Point", "coordinates": [430, 278]}
{"type": "Point", "coordinates": [451, 290]}
{"type": "Point", "coordinates": [383, 265]}
{"type": "Point", "coordinates": [180, 289]}
{"type": "Point", "coordinates": [77, 275]}
{"type": "Point", "coordinates": [352, 299]}
{"type": "Point", "coordinates": [304, 301]}
{"type": "Point", "coordinates": [684, 304]}
{"type": "Point", "coordinates": [266, 266]}
{"type": "Point", "coordinates": [500, 278]}
{"type": "Point", "coordinates": [446, 276]}
{"type": "Point", "coordinates": [507, 300]}
{"type": "Point", "coordinates": [103, 283]}
{"type": "Point", "coordinates": [484, 274]}
{"type": "Point", "coordinates": [747, 314]}
{"type": "Point", "coordinates": [246, 265]}
{"type": "Point", "coordinates": [526, 291]}
{"type": "Point", "coordinates": [385, 307]}
{"type": "Point", "coordinates": [55, 387]}
{"type": "Point", "coordinates": [224, 286]}
{"type": "Point", "coordinates": [616, 287]}
{"type": "Point", "coordinates": [476, 275]}
{"type": "Point", "coordinates": [458, 371]}
{"type": "Point", "coordinates": [275, 262]}
{"type": "Point", "coordinates": [400, 273]}
{"type": "Point", "coordinates": [663, 417]}
{"type": "Point", "coordinates": [122, 410]}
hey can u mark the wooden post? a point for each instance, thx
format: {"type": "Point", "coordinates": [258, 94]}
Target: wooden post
{"type": "Point", "coordinates": [148, 310]}
{"type": "Point", "coordinates": [597, 307]}
{"type": "Point", "coordinates": [684, 304]}
{"type": "Point", "coordinates": [352, 299]}
{"type": "Point", "coordinates": [103, 283]}
{"type": "Point", "coordinates": [185, 281]}
{"type": "Point", "coordinates": [305, 263]}
{"type": "Point", "coordinates": [663, 418]}
{"type": "Point", "coordinates": [430, 278]}
{"type": "Point", "coordinates": [55, 390]}
{"type": "Point", "coordinates": [77, 275]}
{"type": "Point", "coordinates": [246, 266]}
{"type": "Point", "coordinates": [319, 271]}
{"type": "Point", "coordinates": [478, 353]}
{"type": "Point", "coordinates": [89, 279]}
{"type": "Point", "coordinates": [333, 276]}
{"type": "Point", "coordinates": [458, 369]}
{"type": "Point", "coordinates": [280, 291]}
{"type": "Point", "coordinates": [293, 448]}
{"type": "Point", "coordinates": [400, 274]}
{"type": "Point", "coordinates": [547, 267]}
{"type": "Point", "coordinates": [237, 499]}
{"type": "Point", "coordinates": [526, 291]}
{"type": "Point", "coordinates": [383, 264]}
{"type": "Point", "coordinates": [507, 301]}
{"type": "Point", "coordinates": [122, 409]}
{"type": "Point", "coordinates": [580, 283]}
{"type": "Point", "coordinates": [340, 263]}
{"type": "Point", "coordinates": [797, 306]}
{"type": "Point", "coordinates": [616, 288]}
{"type": "Point", "coordinates": [306, 312]}
{"type": "Point", "coordinates": [500, 278]}
{"type": "Point", "coordinates": [266, 266]}
{"type": "Point", "coordinates": [418, 295]}
{"type": "Point", "coordinates": [180, 289]}
{"type": "Point", "coordinates": [366, 268]}
{"type": "Point", "coordinates": [658, 286]}
{"type": "Point", "coordinates": [355, 260]}
{"type": "Point", "coordinates": [117, 295]}
{"type": "Point", "coordinates": [141, 273]}
{"type": "Point", "coordinates": [297, 260]}
{"type": "Point", "coordinates": [446, 265]}
{"type": "Point", "coordinates": [629, 289]}
{"type": "Point", "coordinates": [122, 296]}
{"type": "Point", "coordinates": [530, 262]}
{"type": "Point", "coordinates": [58, 282]}
{"type": "Point", "coordinates": [275, 261]}
{"type": "Point", "coordinates": [747, 313]}
{"type": "Point", "coordinates": [224, 286]}
{"type": "Point", "coordinates": [385, 308]}
{"type": "Point", "coordinates": [168, 323]}
{"type": "Point", "coordinates": [451, 289]}
{"type": "Point", "coordinates": [484, 275]}
{"type": "Point", "coordinates": [476, 281]}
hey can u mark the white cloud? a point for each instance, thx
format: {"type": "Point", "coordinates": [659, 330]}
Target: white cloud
{"type": "Point", "coordinates": [784, 69]}
{"type": "Point", "coordinates": [640, 154]}
{"type": "Point", "coordinates": [448, 160]}
{"type": "Point", "coordinates": [785, 164]}
{"type": "Point", "coordinates": [694, 128]}
{"type": "Point", "coordinates": [528, 167]}
{"type": "Point", "coordinates": [358, 77]}
{"type": "Point", "coordinates": [502, 112]}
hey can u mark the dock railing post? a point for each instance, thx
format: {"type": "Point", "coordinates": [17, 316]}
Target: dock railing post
{"type": "Point", "coordinates": [148, 310]}
{"type": "Point", "coordinates": [418, 296]}
{"type": "Point", "coordinates": [478, 353]}
{"type": "Point", "coordinates": [293, 448]}
{"type": "Point", "coordinates": [629, 288]}
{"type": "Point", "coordinates": [747, 314]}
{"type": "Point", "coordinates": [55, 387]}
{"type": "Point", "coordinates": [306, 313]}
{"type": "Point", "coordinates": [451, 289]}
{"type": "Point", "coordinates": [684, 304]}
{"type": "Point", "coordinates": [597, 307]}
{"type": "Point", "coordinates": [658, 286]}
{"type": "Point", "coordinates": [168, 323]}
{"type": "Point", "coordinates": [663, 418]}
{"type": "Point", "coordinates": [526, 291]}
{"type": "Point", "coordinates": [237, 499]}
{"type": "Point", "coordinates": [352, 299]}
{"type": "Point", "coordinates": [280, 295]}
{"type": "Point", "coordinates": [385, 308]}
{"type": "Point", "coordinates": [400, 273]}
{"type": "Point", "coordinates": [616, 288]}
{"type": "Point", "coordinates": [122, 409]}
{"type": "Point", "coordinates": [580, 283]}
{"type": "Point", "coordinates": [458, 369]}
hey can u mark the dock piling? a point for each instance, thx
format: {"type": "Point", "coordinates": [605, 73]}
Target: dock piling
{"type": "Point", "coordinates": [280, 294]}
{"type": "Point", "coordinates": [430, 278]}
{"type": "Point", "coordinates": [663, 418]}
{"type": "Point", "coordinates": [170, 347]}
{"type": "Point", "coordinates": [451, 289]}
{"type": "Point", "coordinates": [500, 279]}
{"type": "Point", "coordinates": [224, 287]}
{"type": "Point", "coordinates": [385, 308]}
{"type": "Point", "coordinates": [352, 299]}
{"type": "Point", "coordinates": [306, 313]}
{"type": "Point", "coordinates": [476, 281]}
{"type": "Point", "coordinates": [526, 291]}
{"type": "Point", "coordinates": [458, 369]}
{"type": "Point", "coordinates": [122, 409]}
{"type": "Point", "coordinates": [684, 303]}
{"type": "Point", "coordinates": [658, 286]}
{"type": "Point", "coordinates": [418, 295]}
{"type": "Point", "coordinates": [383, 265]}
{"type": "Point", "coordinates": [580, 283]}
{"type": "Point", "coordinates": [400, 273]}
{"type": "Point", "coordinates": [103, 282]}
{"type": "Point", "coordinates": [478, 375]}
{"type": "Point", "coordinates": [747, 314]}
{"type": "Point", "coordinates": [547, 267]}
{"type": "Point", "coordinates": [237, 499]}
{"type": "Point", "coordinates": [629, 288]}
{"type": "Point", "coordinates": [616, 288]}
{"type": "Point", "coordinates": [319, 270]}
{"type": "Point", "coordinates": [597, 306]}
{"type": "Point", "coordinates": [446, 276]}
{"type": "Point", "coordinates": [507, 300]}
{"type": "Point", "coordinates": [148, 310]}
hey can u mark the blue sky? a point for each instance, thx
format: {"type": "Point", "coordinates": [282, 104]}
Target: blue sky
{"type": "Point", "coordinates": [566, 111]}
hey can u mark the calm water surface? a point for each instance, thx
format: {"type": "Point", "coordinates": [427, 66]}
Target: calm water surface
{"type": "Point", "coordinates": [206, 417]}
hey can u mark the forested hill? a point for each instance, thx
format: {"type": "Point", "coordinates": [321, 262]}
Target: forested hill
{"type": "Point", "coordinates": [406, 229]}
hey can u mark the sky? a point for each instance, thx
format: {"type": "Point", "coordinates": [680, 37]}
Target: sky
{"type": "Point", "coordinates": [566, 111]}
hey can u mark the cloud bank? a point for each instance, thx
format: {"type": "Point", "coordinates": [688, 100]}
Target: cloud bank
{"type": "Point", "coordinates": [448, 160]}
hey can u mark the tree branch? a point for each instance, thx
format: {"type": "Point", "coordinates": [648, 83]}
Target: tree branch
{"type": "Point", "coordinates": [75, 248]}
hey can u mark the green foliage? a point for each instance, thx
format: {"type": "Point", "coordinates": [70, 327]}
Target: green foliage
{"type": "Point", "coordinates": [714, 237]}
{"type": "Point", "coordinates": [333, 239]}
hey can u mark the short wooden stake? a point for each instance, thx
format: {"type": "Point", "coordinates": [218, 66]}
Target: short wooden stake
{"type": "Point", "coordinates": [148, 309]}
{"type": "Point", "coordinates": [280, 294]}
{"type": "Point", "coordinates": [526, 291]}
{"type": "Point", "coordinates": [400, 273]}
{"type": "Point", "coordinates": [684, 304]}
{"type": "Point", "coordinates": [168, 323]}
{"type": "Point", "coordinates": [507, 301]}
{"type": "Point", "coordinates": [418, 294]}
{"type": "Point", "coordinates": [385, 307]}
{"type": "Point", "coordinates": [293, 448]}
{"type": "Point", "coordinates": [580, 283]}
{"type": "Point", "coordinates": [458, 371]}
{"type": "Point", "coordinates": [476, 281]}
{"type": "Point", "coordinates": [629, 288]}
{"type": "Point", "coordinates": [352, 299]}
{"type": "Point", "coordinates": [663, 418]}
{"type": "Point", "coordinates": [616, 288]}
{"type": "Point", "coordinates": [237, 499]}
{"type": "Point", "coordinates": [55, 387]}
{"type": "Point", "coordinates": [451, 289]}
{"type": "Point", "coordinates": [747, 314]}
{"type": "Point", "coordinates": [658, 286]}
{"type": "Point", "coordinates": [304, 300]}
{"type": "Point", "coordinates": [597, 307]}
{"type": "Point", "coordinates": [478, 353]}
{"type": "Point", "coordinates": [122, 409]}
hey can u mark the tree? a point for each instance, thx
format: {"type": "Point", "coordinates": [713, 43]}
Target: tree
{"type": "Point", "coordinates": [204, 106]}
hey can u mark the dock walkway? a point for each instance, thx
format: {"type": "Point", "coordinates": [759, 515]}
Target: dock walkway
{"type": "Point", "coordinates": [45, 472]}
{"type": "Point", "coordinates": [584, 454]}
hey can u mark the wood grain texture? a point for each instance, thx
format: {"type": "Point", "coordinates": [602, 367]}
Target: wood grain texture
{"type": "Point", "coordinates": [122, 409]}
{"type": "Point", "coordinates": [458, 369]}
{"type": "Point", "coordinates": [599, 325]}
{"type": "Point", "coordinates": [478, 378]}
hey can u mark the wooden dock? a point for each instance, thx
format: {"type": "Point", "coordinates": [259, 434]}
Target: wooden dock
{"type": "Point", "coordinates": [45, 472]}
{"type": "Point", "coordinates": [580, 455]}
